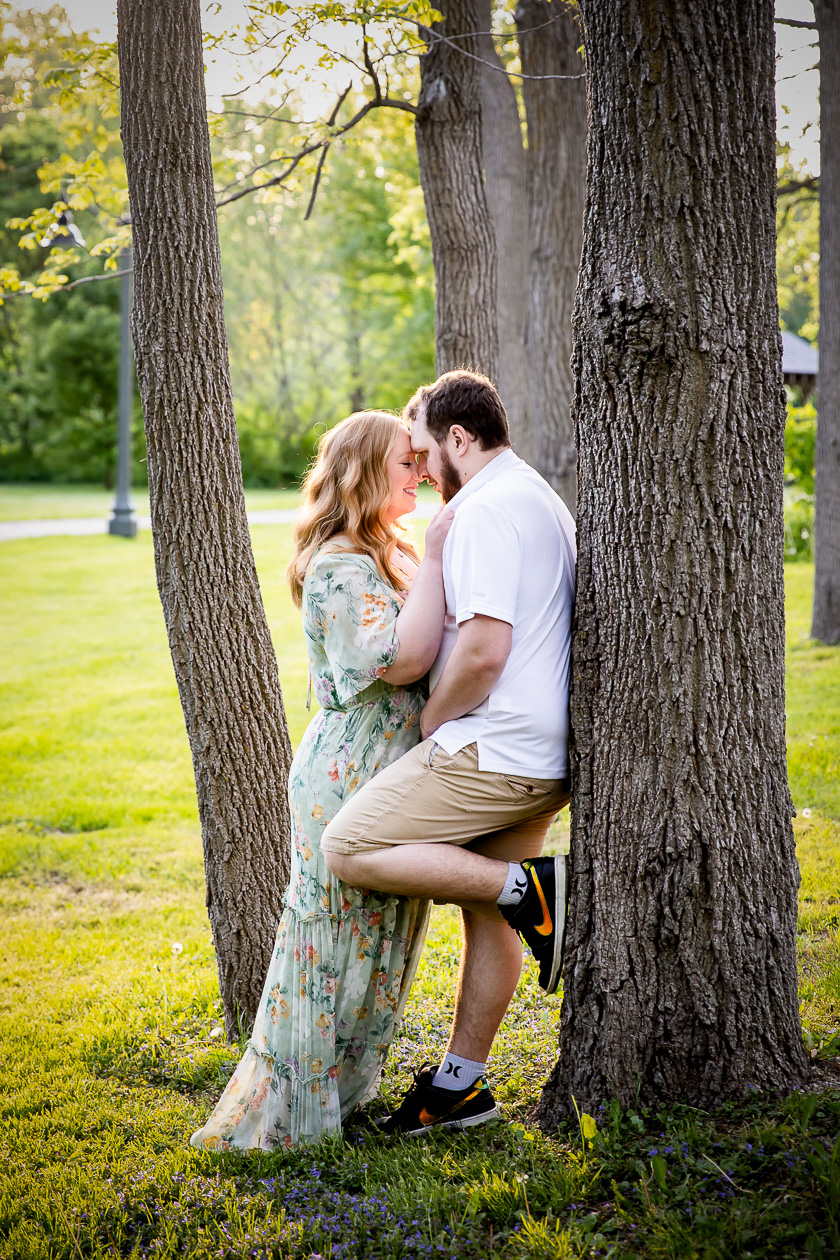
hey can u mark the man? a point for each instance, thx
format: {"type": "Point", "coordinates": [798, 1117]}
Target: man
{"type": "Point", "coordinates": [462, 817]}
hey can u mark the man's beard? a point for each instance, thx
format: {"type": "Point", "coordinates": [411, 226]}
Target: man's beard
{"type": "Point", "coordinates": [450, 482]}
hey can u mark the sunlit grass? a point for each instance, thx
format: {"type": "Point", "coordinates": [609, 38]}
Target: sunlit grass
{"type": "Point", "coordinates": [812, 703]}
{"type": "Point", "coordinates": [26, 502]}
{"type": "Point", "coordinates": [109, 997]}
{"type": "Point", "coordinates": [29, 502]}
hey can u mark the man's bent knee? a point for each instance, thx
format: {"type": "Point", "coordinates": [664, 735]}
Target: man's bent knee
{"type": "Point", "coordinates": [341, 865]}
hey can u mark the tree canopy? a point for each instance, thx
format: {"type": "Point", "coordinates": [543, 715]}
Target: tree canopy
{"type": "Point", "coordinates": [357, 325]}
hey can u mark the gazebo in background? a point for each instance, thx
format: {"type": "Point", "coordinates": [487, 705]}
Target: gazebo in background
{"type": "Point", "coordinates": [800, 364]}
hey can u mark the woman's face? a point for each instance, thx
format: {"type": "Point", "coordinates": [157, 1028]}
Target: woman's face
{"type": "Point", "coordinates": [404, 474]}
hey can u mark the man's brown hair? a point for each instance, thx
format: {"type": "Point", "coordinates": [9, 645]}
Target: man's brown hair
{"type": "Point", "coordinates": [465, 398]}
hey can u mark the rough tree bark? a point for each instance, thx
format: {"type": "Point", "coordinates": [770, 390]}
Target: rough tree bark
{"type": "Point", "coordinates": [506, 189]}
{"type": "Point", "coordinates": [680, 976]}
{"type": "Point", "coordinates": [448, 131]}
{"type": "Point", "coordinates": [218, 636]}
{"type": "Point", "coordinates": [826, 620]}
{"type": "Point", "coordinates": [549, 38]}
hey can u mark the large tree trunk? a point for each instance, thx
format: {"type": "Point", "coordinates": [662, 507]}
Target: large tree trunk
{"type": "Point", "coordinates": [549, 38]}
{"type": "Point", "coordinates": [448, 130]}
{"type": "Point", "coordinates": [826, 623]}
{"type": "Point", "coordinates": [680, 974]}
{"type": "Point", "coordinates": [506, 189]}
{"type": "Point", "coordinates": [221, 650]}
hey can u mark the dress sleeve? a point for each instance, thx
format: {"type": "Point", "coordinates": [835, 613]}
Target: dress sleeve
{"type": "Point", "coordinates": [355, 611]}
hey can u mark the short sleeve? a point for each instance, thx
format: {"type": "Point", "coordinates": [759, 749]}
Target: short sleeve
{"type": "Point", "coordinates": [354, 610]}
{"type": "Point", "coordinates": [485, 561]}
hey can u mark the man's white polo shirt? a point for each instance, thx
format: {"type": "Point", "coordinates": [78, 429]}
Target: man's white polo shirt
{"type": "Point", "coordinates": [510, 554]}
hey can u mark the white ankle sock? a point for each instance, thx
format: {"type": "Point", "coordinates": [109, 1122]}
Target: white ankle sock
{"type": "Point", "coordinates": [457, 1073]}
{"type": "Point", "coordinates": [515, 886]}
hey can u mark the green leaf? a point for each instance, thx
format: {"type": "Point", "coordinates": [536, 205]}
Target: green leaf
{"type": "Point", "coordinates": [588, 1128]}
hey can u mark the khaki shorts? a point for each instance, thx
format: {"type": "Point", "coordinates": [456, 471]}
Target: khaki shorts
{"type": "Point", "coordinates": [429, 797]}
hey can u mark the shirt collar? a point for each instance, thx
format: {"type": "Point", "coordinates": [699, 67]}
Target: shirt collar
{"type": "Point", "coordinates": [500, 463]}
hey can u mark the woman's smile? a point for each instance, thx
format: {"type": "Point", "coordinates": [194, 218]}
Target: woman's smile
{"type": "Point", "coordinates": [404, 475]}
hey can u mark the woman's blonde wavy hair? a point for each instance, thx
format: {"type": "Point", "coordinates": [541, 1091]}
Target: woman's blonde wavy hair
{"type": "Point", "coordinates": [347, 491]}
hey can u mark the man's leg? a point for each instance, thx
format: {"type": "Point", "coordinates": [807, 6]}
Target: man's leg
{"type": "Point", "coordinates": [456, 1094]}
{"type": "Point", "coordinates": [405, 831]}
{"type": "Point", "coordinates": [432, 825]}
{"type": "Point", "coordinates": [441, 872]}
{"type": "Point", "coordinates": [491, 963]}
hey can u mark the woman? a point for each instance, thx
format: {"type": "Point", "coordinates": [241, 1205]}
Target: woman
{"type": "Point", "coordinates": [344, 958]}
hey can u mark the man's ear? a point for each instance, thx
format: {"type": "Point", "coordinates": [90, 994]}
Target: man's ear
{"type": "Point", "coordinates": [460, 438]}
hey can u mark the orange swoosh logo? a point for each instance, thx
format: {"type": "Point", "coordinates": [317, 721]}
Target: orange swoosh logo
{"type": "Point", "coordinates": [425, 1118]}
{"type": "Point", "coordinates": [544, 928]}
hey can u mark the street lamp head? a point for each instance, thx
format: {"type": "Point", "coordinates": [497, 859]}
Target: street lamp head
{"type": "Point", "coordinates": [63, 233]}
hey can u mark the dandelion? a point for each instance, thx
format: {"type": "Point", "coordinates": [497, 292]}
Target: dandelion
{"type": "Point", "coordinates": [216, 1032]}
{"type": "Point", "coordinates": [806, 813]}
{"type": "Point", "coordinates": [177, 947]}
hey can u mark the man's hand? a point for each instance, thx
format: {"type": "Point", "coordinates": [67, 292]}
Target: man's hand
{"type": "Point", "coordinates": [436, 533]}
{"type": "Point", "coordinates": [472, 671]}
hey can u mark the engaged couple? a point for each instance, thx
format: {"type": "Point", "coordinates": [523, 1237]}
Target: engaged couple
{"type": "Point", "coordinates": [404, 792]}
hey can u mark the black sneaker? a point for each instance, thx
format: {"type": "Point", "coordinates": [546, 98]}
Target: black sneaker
{"type": "Point", "coordinates": [540, 916]}
{"type": "Point", "coordinates": [426, 1107]}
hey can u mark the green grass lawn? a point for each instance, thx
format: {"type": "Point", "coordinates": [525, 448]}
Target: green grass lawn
{"type": "Point", "coordinates": [109, 1011]}
{"type": "Point", "coordinates": [28, 502]}
{"type": "Point", "coordinates": [21, 502]}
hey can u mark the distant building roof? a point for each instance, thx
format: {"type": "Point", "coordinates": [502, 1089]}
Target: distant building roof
{"type": "Point", "coordinates": [799, 358]}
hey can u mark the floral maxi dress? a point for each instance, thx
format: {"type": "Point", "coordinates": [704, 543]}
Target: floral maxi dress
{"type": "Point", "coordinates": [344, 959]}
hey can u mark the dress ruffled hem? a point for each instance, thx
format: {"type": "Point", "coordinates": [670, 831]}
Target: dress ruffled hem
{"type": "Point", "coordinates": [266, 1106]}
{"type": "Point", "coordinates": [301, 1074]}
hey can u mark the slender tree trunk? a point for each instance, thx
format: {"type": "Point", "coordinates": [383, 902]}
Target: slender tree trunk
{"type": "Point", "coordinates": [448, 131]}
{"type": "Point", "coordinates": [506, 189]}
{"type": "Point", "coordinates": [549, 38]}
{"type": "Point", "coordinates": [221, 650]}
{"type": "Point", "coordinates": [826, 623]}
{"type": "Point", "coordinates": [354, 357]}
{"type": "Point", "coordinates": [680, 974]}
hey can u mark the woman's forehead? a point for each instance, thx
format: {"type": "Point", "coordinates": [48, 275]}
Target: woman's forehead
{"type": "Point", "coordinates": [402, 443]}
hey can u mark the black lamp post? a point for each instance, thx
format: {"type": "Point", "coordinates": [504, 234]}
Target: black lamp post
{"type": "Point", "coordinates": [123, 520]}
{"type": "Point", "coordinates": [64, 234]}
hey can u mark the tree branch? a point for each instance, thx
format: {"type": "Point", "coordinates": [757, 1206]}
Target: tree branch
{"type": "Point", "coordinates": [374, 77]}
{"type": "Point", "coordinates": [812, 184]}
{"type": "Point", "coordinates": [322, 159]}
{"type": "Point", "coordinates": [804, 26]}
{"type": "Point", "coordinates": [428, 34]}
{"type": "Point", "coordinates": [293, 161]}
{"type": "Point", "coordinates": [268, 74]}
{"type": "Point", "coordinates": [380, 99]}
{"type": "Point", "coordinates": [786, 77]}
{"type": "Point", "coordinates": [102, 275]}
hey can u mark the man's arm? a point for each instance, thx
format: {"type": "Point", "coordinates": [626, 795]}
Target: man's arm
{"type": "Point", "coordinates": [474, 667]}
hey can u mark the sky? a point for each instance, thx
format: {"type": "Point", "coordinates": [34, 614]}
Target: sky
{"type": "Point", "coordinates": [797, 84]}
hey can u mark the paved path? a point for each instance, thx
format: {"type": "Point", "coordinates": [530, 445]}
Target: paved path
{"type": "Point", "coordinates": [80, 526]}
